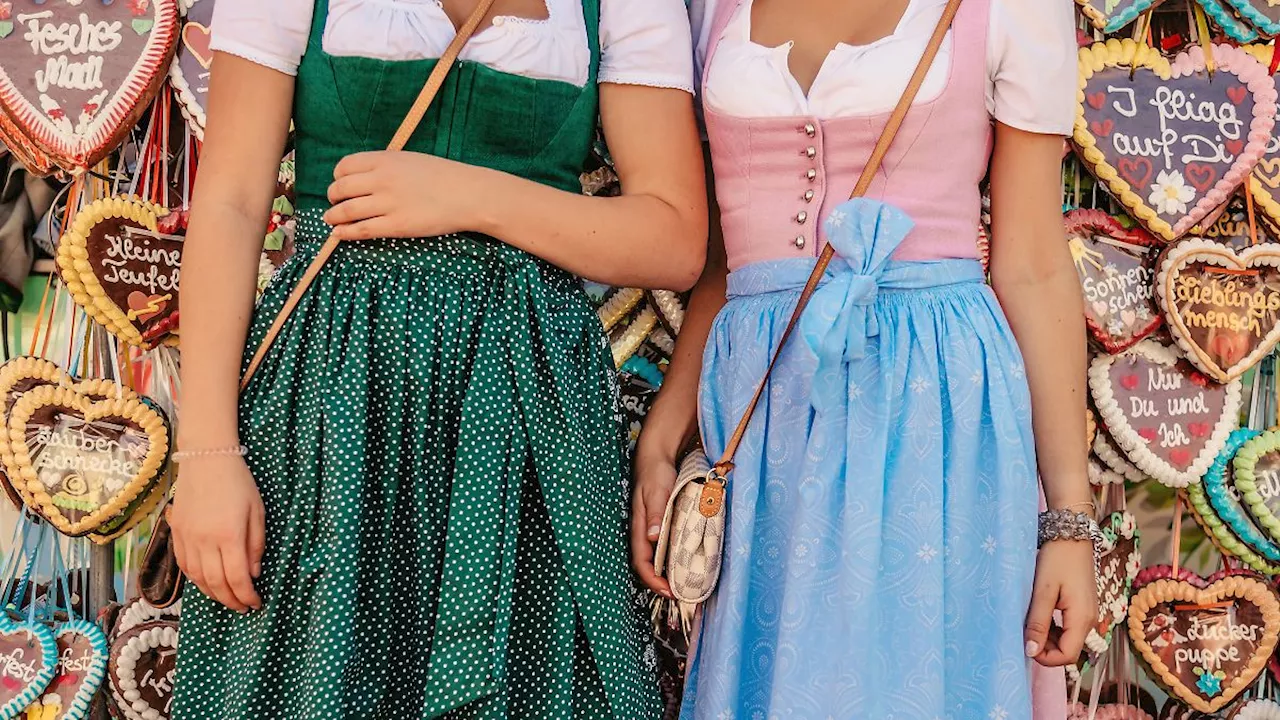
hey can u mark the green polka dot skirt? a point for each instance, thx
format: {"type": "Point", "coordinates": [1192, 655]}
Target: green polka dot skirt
{"type": "Point", "coordinates": [437, 442]}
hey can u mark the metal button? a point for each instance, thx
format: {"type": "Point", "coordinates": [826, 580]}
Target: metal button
{"type": "Point", "coordinates": [808, 196]}
{"type": "Point", "coordinates": [799, 243]}
{"type": "Point", "coordinates": [811, 175]}
{"type": "Point", "coordinates": [802, 217]}
{"type": "Point", "coordinates": [811, 152]}
{"type": "Point", "coordinates": [810, 130]}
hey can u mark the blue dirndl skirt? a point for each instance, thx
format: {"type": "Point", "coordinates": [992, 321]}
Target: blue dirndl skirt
{"type": "Point", "coordinates": [882, 513]}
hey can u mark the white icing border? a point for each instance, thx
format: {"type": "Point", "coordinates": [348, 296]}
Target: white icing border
{"type": "Point", "coordinates": [1113, 461]}
{"type": "Point", "coordinates": [1258, 709]}
{"type": "Point", "coordinates": [1132, 444]}
{"type": "Point", "coordinates": [1200, 250]}
{"type": "Point", "coordinates": [139, 611]}
{"type": "Point", "coordinates": [123, 681]}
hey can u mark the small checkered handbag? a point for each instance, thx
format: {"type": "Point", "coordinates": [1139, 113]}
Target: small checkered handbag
{"type": "Point", "coordinates": [690, 548]}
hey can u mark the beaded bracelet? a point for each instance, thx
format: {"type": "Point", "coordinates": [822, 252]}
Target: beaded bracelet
{"type": "Point", "coordinates": [237, 450]}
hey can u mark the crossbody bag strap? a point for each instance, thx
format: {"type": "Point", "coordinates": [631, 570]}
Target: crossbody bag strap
{"type": "Point", "coordinates": [419, 110]}
{"type": "Point", "coordinates": [725, 464]}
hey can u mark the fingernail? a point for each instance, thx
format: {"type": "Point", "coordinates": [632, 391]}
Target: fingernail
{"type": "Point", "coordinates": [1033, 648]}
{"type": "Point", "coordinates": [655, 530]}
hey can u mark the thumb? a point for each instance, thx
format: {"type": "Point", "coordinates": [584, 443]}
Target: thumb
{"type": "Point", "coordinates": [655, 506]}
{"type": "Point", "coordinates": [1039, 620]}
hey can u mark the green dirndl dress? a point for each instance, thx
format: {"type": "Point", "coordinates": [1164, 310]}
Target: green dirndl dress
{"type": "Point", "coordinates": [437, 440]}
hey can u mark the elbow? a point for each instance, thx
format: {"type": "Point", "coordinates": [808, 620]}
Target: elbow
{"type": "Point", "coordinates": [683, 267]}
{"type": "Point", "coordinates": [686, 272]}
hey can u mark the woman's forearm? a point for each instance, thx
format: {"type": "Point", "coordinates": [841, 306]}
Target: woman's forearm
{"type": "Point", "coordinates": [1048, 321]}
{"type": "Point", "coordinates": [244, 140]}
{"type": "Point", "coordinates": [627, 241]}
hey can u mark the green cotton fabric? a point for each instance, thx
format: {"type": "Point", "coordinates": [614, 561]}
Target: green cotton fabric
{"type": "Point", "coordinates": [438, 444]}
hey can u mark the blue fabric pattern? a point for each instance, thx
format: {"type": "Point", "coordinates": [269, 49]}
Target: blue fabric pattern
{"type": "Point", "coordinates": [881, 539]}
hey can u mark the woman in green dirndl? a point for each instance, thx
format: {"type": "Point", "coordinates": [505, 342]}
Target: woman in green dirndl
{"type": "Point", "coordinates": [418, 506]}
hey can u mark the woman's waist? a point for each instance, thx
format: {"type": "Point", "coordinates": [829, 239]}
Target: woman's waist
{"type": "Point", "coordinates": [784, 279]}
{"type": "Point", "coordinates": [459, 255]}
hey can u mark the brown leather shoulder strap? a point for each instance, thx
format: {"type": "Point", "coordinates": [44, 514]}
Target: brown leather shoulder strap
{"type": "Point", "coordinates": [725, 463]}
{"type": "Point", "coordinates": [419, 109]}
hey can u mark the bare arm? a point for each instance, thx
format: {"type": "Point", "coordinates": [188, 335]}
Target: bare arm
{"type": "Point", "coordinates": [248, 121]}
{"type": "Point", "coordinates": [218, 518]}
{"type": "Point", "coordinates": [673, 419]}
{"type": "Point", "coordinates": [651, 236]}
{"type": "Point", "coordinates": [1033, 276]}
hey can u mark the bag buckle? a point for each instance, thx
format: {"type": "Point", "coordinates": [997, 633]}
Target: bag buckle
{"type": "Point", "coordinates": [711, 503]}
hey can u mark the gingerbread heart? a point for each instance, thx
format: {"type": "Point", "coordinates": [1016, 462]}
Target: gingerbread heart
{"type": "Point", "coordinates": [1218, 507]}
{"type": "Point", "coordinates": [85, 462]}
{"type": "Point", "coordinates": [138, 611]}
{"type": "Point", "coordinates": [81, 666]}
{"type": "Point", "coordinates": [189, 73]}
{"type": "Point", "coordinates": [1169, 142]}
{"type": "Point", "coordinates": [28, 658]}
{"type": "Point", "coordinates": [21, 375]}
{"type": "Point", "coordinates": [1118, 566]}
{"type": "Point", "coordinates": [1205, 646]}
{"type": "Point", "coordinates": [1222, 306]}
{"type": "Point", "coordinates": [1227, 21]}
{"type": "Point", "coordinates": [1264, 15]}
{"type": "Point", "coordinates": [1257, 481]}
{"type": "Point", "coordinates": [1169, 419]}
{"type": "Point", "coordinates": [1173, 710]}
{"type": "Point", "coordinates": [1232, 227]}
{"type": "Point", "coordinates": [141, 672]}
{"type": "Point", "coordinates": [1110, 16]}
{"type": "Point", "coordinates": [1115, 267]}
{"type": "Point", "coordinates": [122, 270]}
{"type": "Point", "coordinates": [1257, 709]}
{"type": "Point", "coordinates": [76, 77]}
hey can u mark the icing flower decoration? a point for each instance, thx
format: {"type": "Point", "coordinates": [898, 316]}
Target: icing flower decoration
{"type": "Point", "coordinates": [1210, 683]}
{"type": "Point", "coordinates": [139, 7]}
{"type": "Point", "coordinates": [1171, 193]}
{"type": "Point", "coordinates": [6, 10]}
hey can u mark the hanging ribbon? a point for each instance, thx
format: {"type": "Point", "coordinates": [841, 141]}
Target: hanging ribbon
{"type": "Point", "coordinates": [1206, 40]}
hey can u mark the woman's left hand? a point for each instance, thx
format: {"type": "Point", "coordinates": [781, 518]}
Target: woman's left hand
{"type": "Point", "coordinates": [404, 194]}
{"type": "Point", "coordinates": [1064, 582]}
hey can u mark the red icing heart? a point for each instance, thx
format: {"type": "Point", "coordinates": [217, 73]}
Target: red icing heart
{"type": "Point", "coordinates": [10, 683]}
{"type": "Point", "coordinates": [1199, 429]}
{"type": "Point", "coordinates": [195, 38]}
{"type": "Point", "coordinates": [1129, 382]}
{"type": "Point", "coordinates": [1237, 94]}
{"type": "Point", "coordinates": [1235, 147]}
{"type": "Point", "coordinates": [1097, 100]}
{"type": "Point", "coordinates": [1104, 128]}
{"type": "Point", "coordinates": [1148, 434]}
{"type": "Point", "coordinates": [146, 307]}
{"type": "Point", "coordinates": [1201, 176]}
{"type": "Point", "coordinates": [1136, 171]}
{"type": "Point", "coordinates": [1180, 456]}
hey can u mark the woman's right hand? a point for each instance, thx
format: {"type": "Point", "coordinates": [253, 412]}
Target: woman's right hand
{"type": "Point", "coordinates": [218, 525]}
{"type": "Point", "coordinates": [655, 473]}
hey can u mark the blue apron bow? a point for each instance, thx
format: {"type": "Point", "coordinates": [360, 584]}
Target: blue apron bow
{"type": "Point", "coordinates": [840, 316]}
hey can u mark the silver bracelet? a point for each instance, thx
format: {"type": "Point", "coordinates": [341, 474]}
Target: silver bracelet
{"type": "Point", "coordinates": [237, 450]}
{"type": "Point", "coordinates": [1056, 525]}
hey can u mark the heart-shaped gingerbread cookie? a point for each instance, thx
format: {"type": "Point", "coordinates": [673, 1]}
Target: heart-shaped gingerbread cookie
{"type": "Point", "coordinates": [1221, 305]}
{"type": "Point", "coordinates": [1118, 566]}
{"type": "Point", "coordinates": [28, 657]}
{"type": "Point", "coordinates": [189, 73]}
{"type": "Point", "coordinates": [81, 667]}
{"type": "Point", "coordinates": [141, 673]}
{"type": "Point", "coordinates": [1169, 142]}
{"type": "Point", "coordinates": [1232, 227]}
{"type": "Point", "coordinates": [85, 462]}
{"type": "Point", "coordinates": [76, 76]}
{"type": "Point", "coordinates": [1205, 645]}
{"type": "Point", "coordinates": [1257, 481]}
{"type": "Point", "coordinates": [123, 270]}
{"type": "Point", "coordinates": [1170, 420]}
{"type": "Point", "coordinates": [1116, 269]}
{"type": "Point", "coordinates": [1218, 508]}
{"type": "Point", "coordinates": [23, 374]}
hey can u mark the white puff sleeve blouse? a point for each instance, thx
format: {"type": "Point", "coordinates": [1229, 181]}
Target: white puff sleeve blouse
{"type": "Point", "coordinates": [643, 42]}
{"type": "Point", "coordinates": [1031, 67]}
